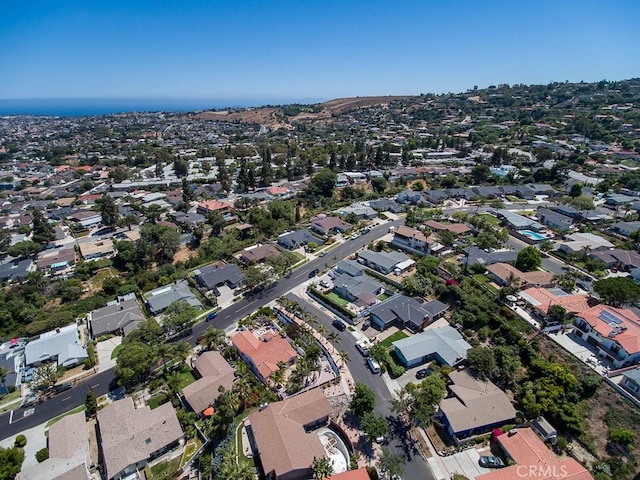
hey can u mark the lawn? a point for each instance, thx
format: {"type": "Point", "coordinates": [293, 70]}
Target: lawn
{"type": "Point", "coordinates": [116, 351]}
{"type": "Point", "coordinates": [157, 400]}
{"type": "Point", "coordinates": [399, 335]}
{"type": "Point", "coordinates": [190, 449]}
{"type": "Point", "coordinates": [482, 279]}
{"type": "Point", "coordinates": [383, 296]}
{"type": "Point", "coordinates": [186, 378]}
{"type": "Point", "coordinates": [490, 219]}
{"type": "Point", "coordinates": [10, 399]}
{"type": "Point", "coordinates": [337, 299]}
{"type": "Point", "coordinates": [70, 412]}
{"type": "Point", "coordinates": [163, 469]}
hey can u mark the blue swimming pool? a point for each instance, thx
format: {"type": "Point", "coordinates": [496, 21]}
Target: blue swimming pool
{"type": "Point", "coordinates": [532, 235]}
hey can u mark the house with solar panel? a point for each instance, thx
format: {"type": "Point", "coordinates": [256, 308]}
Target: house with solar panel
{"type": "Point", "coordinates": [614, 332]}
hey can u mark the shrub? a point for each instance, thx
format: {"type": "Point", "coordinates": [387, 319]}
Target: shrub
{"type": "Point", "coordinates": [21, 441]}
{"type": "Point", "coordinates": [42, 455]}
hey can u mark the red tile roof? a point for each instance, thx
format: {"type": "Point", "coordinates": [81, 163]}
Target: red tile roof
{"type": "Point", "coordinates": [629, 326]}
{"type": "Point", "coordinates": [265, 352]}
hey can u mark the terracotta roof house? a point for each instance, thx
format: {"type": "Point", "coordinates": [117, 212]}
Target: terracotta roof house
{"type": "Point", "coordinates": [615, 332]}
{"type": "Point", "coordinates": [210, 206]}
{"type": "Point", "coordinates": [69, 459]}
{"type": "Point", "coordinates": [121, 315]}
{"type": "Point", "coordinates": [213, 372]}
{"type": "Point", "coordinates": [328, 225]}
{"type": "Point", "coordinates": [359, 474]}
{"type": "Point", "coordinates": [263, 353]}
{"type": "Point", "coordinates": [129, 437]}
{"type": "Point", "coordinates": [533, 460]}
{"type": "Point", "coordinates": [258, 253]}
{"type": "Point", "coordinates": [285, 437]}
{"type": "Point", "coordinates": [475, 407]}
{"type": "Point", "coordinates": [539, 300]}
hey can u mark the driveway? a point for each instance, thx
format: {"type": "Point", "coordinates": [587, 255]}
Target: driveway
{"type": "Point", "coordinates": [226, 296]}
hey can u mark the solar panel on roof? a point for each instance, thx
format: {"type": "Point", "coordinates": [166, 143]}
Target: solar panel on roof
{"type": "Point", "coordinates": [609, 317]}
{"type": "Point", "coordinates": [558, 292]}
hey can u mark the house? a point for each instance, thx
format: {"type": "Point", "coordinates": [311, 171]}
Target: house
{"type": "Point", "coordinates": [631, 382]}
{"type": "Point", "coordinates": [54, 261]}
{"type": "Point", "coordinates": [409, 196]}
{"type": "Point", "coordinates": [487, 192]}
{"type": "Point", "coordinates": [361, 290]}
{"type": "Point", "coordinates": [349, 267]}
{"type": "Point", "coordinates": [86, 218]}
{"type": "Point", "coordinates": [61, 345]}
{"type": "Point", "coordinates": [210, 206]}
{"type": "Point", "coordinates": [404, 311]}
{"type": "Point", "coordinates": [625, 228]}
{"type": "Point", "coordinates": [279, 192]}
{"type": "Point", "coordinates": [518, 222]}
{"type": "Point", "coordinates": [158, 300]}
{"type": "Point", "coordinates": [383, 262]}
{"type": "Point", "coordinates": [182, 218]}
{"type": "Point", "coordinates": [567, 211]}
{"type": "Point", "coordinates": [474, 407]}
{"type": "Point", "coordinates": [625, 260]}
{"type": "Point", "coordinates": [297, 239]}
{"type": "Point", "coordinates": [539, 300]}
{"type": "Point", "coordinates": [263, 352]}
{"type": "Point", "coordinates": [329, 225]}
{"type": "Point", "coordinates": [578, 243]}
{"type": "Point", "coordinates": [258, 253]}
{"type": "Point", "coordinates": [616, 199]}
{"type": "Point", "coordinates": [69, 459]}
{"type": "Point", "coordinates": [360, 210]}
{"type": "Point", "coordinates": [93, 248]}
{"type": "Point", "coordinates": [122, 315]}
{"type": "Point", "coordinates": [285, 435]}
{"type": "Point", "coordinates": [130, 437]}
{"type": "Point", "coordinates": [615, 332]}
{"type": "Point", "coordinates": [434, 196]}
{"type": "Point", "coordinates": [541, 189]}
{"type": "Point", "coordinates": [504, 274]}
{"type": "Point", "coordinates": [358, 474]}
{"type": "Point", "coordinates": [412, 240]}
{"type": "Point", "coordinates": [554, 220]}
{"type": "Point", "coordinates": [15, 269]}
{"type": "Point", "coordinates": [476, 255]}
{"type": "Point", "coordinates": [213, 276]}
{"type": "Point", "coordinates": [213, 372]}
{"type": "Point", "coordinates": [532, 460]}
{"type": "Point", "coordinates": [445, 345]}
{"type": "Point", "coordinates": [386, 205]}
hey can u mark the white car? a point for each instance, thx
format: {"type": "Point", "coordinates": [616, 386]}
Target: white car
{"type": "Point", "coordinates": [325, 284]}
{"type": "Point", "coordinates": [363, 347]}
{"type": "Point", "coordinates": [374, 366]}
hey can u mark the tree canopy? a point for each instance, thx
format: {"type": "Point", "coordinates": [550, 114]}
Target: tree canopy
{"type": "Point", "coordinates": [363, 400]}
{"type": "Point", "coordinates": [617, 291]}
{"type": "Point", "coordinates": [529, 259]}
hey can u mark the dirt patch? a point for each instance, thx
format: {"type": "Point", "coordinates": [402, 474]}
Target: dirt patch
{"type": "Point", "coordinates": [184, 254]}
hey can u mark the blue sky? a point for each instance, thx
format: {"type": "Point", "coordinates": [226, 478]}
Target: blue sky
{"type": "Point", "coordinates": [307, 49]}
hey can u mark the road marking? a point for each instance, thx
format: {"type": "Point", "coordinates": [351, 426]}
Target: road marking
{"type": "Point", "coordinates": [67, 398]}
{"type": "Point", "coordinates": [95, 386]}
{"type": "Point", "coordinates": [11, 417]}
{"type": "Point", "coordinates": [29, 412]}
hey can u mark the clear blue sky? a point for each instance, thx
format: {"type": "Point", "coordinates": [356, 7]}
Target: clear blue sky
{"type": "Point", "coordinates": [270, 49]}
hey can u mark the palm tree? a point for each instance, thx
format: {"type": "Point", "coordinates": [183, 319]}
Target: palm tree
{"type": "Point", "coordinates": [277, 377]}
{"type": "Point", "coordinates": [173, 382]}
{"type": "Point", "coordinates": [322, 329]}
{"type": "Point", "coordinates": [333, 337]}
{"type": "Point", "coordinates": [243, 388]}
{"type": "Point", "coordinates": [213, 338]}
{"type": "Point", "coordinates": [163, 353]}
{"type": "Point", "coordinates": [344, 357]}
{"type": "Point", "coordinates": [37, 280]}
{"type": "Point", "coordinates": [182, 349]}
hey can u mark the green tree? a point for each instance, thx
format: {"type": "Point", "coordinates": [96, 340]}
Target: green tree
{"type": "Point", "coordinates": [557, 314]}
{"type": "Point", "coordinates": [390, 464]}
{"type": "Point", "coordinates": [25, 248]}
{"type": "Point", "coordinates": [179, 315]}
{"type": "Point", "coordinates": [322, 468]}
{"type": "Point", "coordinates": [583, 202]}
{"type": "Point", "coordinates": [43, 232]}
{"type": "Point", "coordinates": [418, 186]}
{"type": "Point", "coordinates": [623, 436]}
{"type": "Point", "coordinates": [322, 184]}
{"type": "Point", "coordinates": [5, 240]}
{"type": "Point", "coordinates": [529, 259]}
{"type": "Point", "coordinates": [217, 222]}
{"type": "Point", "coordinates": [363, 400]}
{"type": "Point", "coordinates": [374, 426]}
{"type": "Point", "coordinates": [91, 403]}
{"type": "Point", "coordinates": [379, 184]}
{"type": "Point", "coordinates": [576, 190]}
{"type": "Point", "coordinates": [108, 210]}
{"type": "Point", "coordinates": [618, 291]}
{"type": "Point", "coordinates": [134, 363]}
{"type": "Point", "coordinates": [213, 338]}
{"type": "Point", "coordinates": [180, 167]}
{"type": "Point", "coordinates": [482, 361]}
{"type": "Point", "coordinates": [46, 376]}
{"type": "Point", "coordinates": [10, 462]}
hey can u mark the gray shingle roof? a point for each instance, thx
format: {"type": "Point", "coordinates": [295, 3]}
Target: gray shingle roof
{"type": "Point", "coordinates": [297, 239]}
{"type": "Point", "coordinates": [62, 343]}
{"type": "Point", "coordinates": [160, 298]}
{"type": "Point", "coordinates": [384, 260]}
{"type": "Point", "coordinates": [212, 276]}
{"type": "Point", "coordinates": [445, 341]}
{"type": "Point", "coordinates": [124, 313]}
{"type": "Point", "coordinates": [400, 307]}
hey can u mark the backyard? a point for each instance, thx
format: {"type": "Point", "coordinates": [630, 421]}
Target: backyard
{"type": "Point", "coordinates": [337, 299]}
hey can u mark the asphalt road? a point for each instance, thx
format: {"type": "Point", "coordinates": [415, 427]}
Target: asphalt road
{"type": "Point", "coordinates": [12, 423]}
{"type": "Point", "coordinates": [399, 441]}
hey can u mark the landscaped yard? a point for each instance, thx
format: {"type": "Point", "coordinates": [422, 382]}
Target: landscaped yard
{"type": "Point", "coordinates": [337, 299]}
{"type": "Point", "coordinates": [399, 335]}
{"type": "Point", "coordinates": [70, 412]}
{"type": "Point", "coordinates": [163, 469]}
{"type": "Point", "coordinates": [190, 449]}
{"type": "Point", "coordinates": [482, 279]}
{"type": "Point", "coordinates": [186, 378]}
{"type": "Point", "coordinates": [116, 350]}
{"type": "Point", "coordinates": [383, 296]}
{"type": "Point", "coordinates": [490, 219]}
{"type": "Point", "coordinates": [157, 400]}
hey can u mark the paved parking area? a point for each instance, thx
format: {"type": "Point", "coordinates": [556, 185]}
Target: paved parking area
{"type": "Point", "coordinates": [464, 463]}
{"type": "Point", "coordinates": [581, 349]}
{"type": "Point", "coordinates": [226, 296]}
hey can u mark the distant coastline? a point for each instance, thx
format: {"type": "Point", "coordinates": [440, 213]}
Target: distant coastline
{"type": "Point", "coordinates": [75, 107]}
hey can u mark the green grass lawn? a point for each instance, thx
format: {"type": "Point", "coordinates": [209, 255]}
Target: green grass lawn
{"type": "Point", "coordinates": [116, 350]}
{"type": "Point", "coordinates": [157, 400]}
{"type": "Point", "coordinates": [70, 412]}
{"type": "Point", "coordinates": [163, 469]}
{"type": "Point", "coordinates": [186, 378]}
{"type": "Point", "coordinates": [9, 398]}
{"type": "Point", "coordinates": [190, 449]}
{"type": "Point", "coordinates": [485, 281]}
{"type": "Point", "coordinates": [337, 299]}
{"type": "Point", "coordinates": [490, 219]}
{"type": "Point", "coordinates": [383, 296]}
{"type": "Point", "coordinates": [399, 335]}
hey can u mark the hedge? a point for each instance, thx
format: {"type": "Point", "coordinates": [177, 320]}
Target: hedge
{"type": "Point", "coordinates": [330, 302]}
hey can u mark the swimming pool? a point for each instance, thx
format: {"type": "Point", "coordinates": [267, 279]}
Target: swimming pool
{"type": "Point", "coordinates": [532, 235]}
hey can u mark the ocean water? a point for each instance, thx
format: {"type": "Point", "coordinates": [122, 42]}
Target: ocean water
{"type": "Point", "coordinates": [74, 107]}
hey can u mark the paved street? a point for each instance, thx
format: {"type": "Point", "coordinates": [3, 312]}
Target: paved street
{"type": "Point", "coordinates": [399, 442]}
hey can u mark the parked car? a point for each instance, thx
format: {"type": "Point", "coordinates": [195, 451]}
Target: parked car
{"type": "Point", "coordinates": [325, 284]}
{"type": "Point", "coordinates": [363, 348]}
{"type": "Point", "coordinates": [374, 366]}
{"type": "Point", "coordinates": [211, 316]}
{"type": "Point", "coordinates": [366, 324]}
{"type": "Point", "coordinates": [423, 372]}
{"type": "Point", "coordinates": [339, 325]}
{"type": "Point", "coordinates": [62, 388]}
{"type": "Point", "coordinates": [313, 273]}
{"type": "Point", "coordinates": [366, 230]}
{"type": "Point", "coordinates": [490, 461]}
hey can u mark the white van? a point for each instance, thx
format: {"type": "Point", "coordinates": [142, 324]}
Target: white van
{"type": "Point", "coordinates": [374, 366]}
{"type": "Point", "coordinates": [363, 347]}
